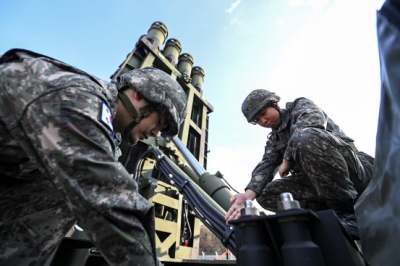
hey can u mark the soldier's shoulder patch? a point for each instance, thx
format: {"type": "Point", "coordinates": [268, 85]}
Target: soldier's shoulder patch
{"type": "Point", "coordinates": [106, 116]}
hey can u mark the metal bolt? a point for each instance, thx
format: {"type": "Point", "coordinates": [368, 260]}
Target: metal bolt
{"type": "Point", "coordinates": [286, 196]}
{"type": "Point", "coordinates": [248, 204]}
{"type": "Point", "coordinates": [287, 202]}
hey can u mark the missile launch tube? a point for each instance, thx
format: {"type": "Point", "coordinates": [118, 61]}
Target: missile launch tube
{"type": "Point", "coordinates": [213, 185]}
{"type": "Point", "coordinates": [196, 166]}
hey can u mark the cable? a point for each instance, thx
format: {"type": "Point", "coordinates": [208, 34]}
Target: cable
{"type": "Point", "coordinates": [197, 199]}
{"type": "Point", "coordinates": [230, 185]}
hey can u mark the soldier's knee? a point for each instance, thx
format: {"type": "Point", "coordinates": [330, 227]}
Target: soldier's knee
{"type": "Point", "coordinates": [303, 137]}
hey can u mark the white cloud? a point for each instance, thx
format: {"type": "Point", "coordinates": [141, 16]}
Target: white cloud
{"type": "Point", "coordinates": [315, 5]}
{"type": "Point", "coordinates": [233, 6]}
{"type": "Point", "coordinates": [296, 3]}
{"type": "Point", "coordinates": [236, 164]}
{"type": "Point", "coordinates": [281, 23]}
{"type": "Point", "coordinates": [235, 20]}
{"type": "Point", "coordinates": [379, 3]}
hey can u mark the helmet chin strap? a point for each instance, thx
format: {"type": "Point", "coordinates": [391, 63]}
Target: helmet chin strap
{"type": "Point", "coordinates": [144, 112]}
{"type": "Point", "coordinates": [280, 114]}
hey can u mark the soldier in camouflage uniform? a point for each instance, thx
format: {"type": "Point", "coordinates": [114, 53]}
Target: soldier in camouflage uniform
{"type": "Point", "coordinates": [58, 157]}
{"type": "Point", "coordinates": [326, 170]}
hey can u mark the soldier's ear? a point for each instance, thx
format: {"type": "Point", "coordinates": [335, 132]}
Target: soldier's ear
{"type": "Point", "coordinates": [137, 96]}
{"type": "Point", "coordinates": [275, 104]}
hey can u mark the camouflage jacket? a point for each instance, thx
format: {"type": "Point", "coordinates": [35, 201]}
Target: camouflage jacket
{"type": "Point", "coordinates": [298, 114]}
{"type": "Point", "coordinates": [56, 122]}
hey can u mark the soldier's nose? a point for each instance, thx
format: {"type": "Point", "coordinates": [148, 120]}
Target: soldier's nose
{"type": "Point", "coordinates": [264, 120]}
{"type": "Point", "coordinates": [154, 132]}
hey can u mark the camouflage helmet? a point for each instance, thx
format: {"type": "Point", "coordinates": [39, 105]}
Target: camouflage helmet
{"type": "Point", "coordinates": [161, 91]}
{"type": "Point", "coordinates": [256, 101]}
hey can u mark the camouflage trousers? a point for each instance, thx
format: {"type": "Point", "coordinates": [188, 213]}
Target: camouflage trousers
{"type": "Point", "coordinates": [331, 170]}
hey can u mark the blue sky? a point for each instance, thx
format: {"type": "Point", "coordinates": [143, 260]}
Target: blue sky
{"type": "Point", "coordinates": [325, 50]}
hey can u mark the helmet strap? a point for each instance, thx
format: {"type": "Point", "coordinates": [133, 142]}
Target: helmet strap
{"type": "Point", "coordinates": [143, 112]}
{"type": "Point", "coordinates": [277, 108]}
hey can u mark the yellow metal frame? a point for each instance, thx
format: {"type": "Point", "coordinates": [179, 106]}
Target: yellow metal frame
{"type": "Point", "coordinates": [169, 246]}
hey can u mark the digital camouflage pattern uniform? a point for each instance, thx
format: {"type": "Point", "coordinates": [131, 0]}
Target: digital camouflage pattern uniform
{"type": "Point", "coordinates": [58, 165]}
{"type": "Point", "coordinates": [325, 165]}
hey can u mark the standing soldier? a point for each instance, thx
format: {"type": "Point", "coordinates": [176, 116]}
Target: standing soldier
{"type": "Point", "coordinates": [327, 171]}
{"type": "Point", "coordinates": [59, 136]}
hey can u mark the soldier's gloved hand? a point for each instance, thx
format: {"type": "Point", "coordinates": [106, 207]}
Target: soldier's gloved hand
{"type": "Point", "coordinates": [284, 169]}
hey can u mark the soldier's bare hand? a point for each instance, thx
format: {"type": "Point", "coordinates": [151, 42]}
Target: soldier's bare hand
{"type": "Point", "coordinates": [237, 202]}
{"type": "Point", "coordinates": [284, 169]}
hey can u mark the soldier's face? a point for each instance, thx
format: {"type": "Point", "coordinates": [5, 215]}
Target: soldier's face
{"type": "Point", "coordinates": [149, 126]}
{"type": "Point", "coordinates": [268, 118]}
